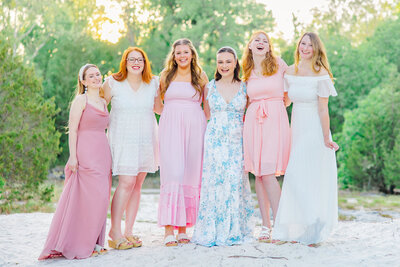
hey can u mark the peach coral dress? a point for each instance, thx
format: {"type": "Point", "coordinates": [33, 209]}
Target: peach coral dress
{"type": "Point", "coordinates": [266, 133]}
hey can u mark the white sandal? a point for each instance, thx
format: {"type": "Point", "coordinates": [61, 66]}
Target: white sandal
{"type": "Point", "coordinates": [183, 238]}
{"type": "Point", "coordinates": [265, 235]}
{"type": "Point", "coordinates": [170, 241]}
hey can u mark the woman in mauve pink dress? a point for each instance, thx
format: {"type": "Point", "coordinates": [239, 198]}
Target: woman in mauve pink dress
{"type": "Point", "coordinates": [78, 227]}
{"type": "Point", "coordinates": [266, 133]}
{"type": "Point", "coordinates": [181, 133]}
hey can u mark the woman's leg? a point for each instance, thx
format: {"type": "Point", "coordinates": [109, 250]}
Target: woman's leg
{"type": "Point", "coordinates": [133, 204]}
{"type": "Point", "coordinates": [273, 190]}
{"type": "Point", "coordinates": [263, 202]}
{"type": "Point", "coordinates": [119, 204]}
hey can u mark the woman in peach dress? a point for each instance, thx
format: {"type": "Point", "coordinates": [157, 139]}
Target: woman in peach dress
{"type": "Point", "coordinates": [78, 227]}
{"type": "Point", "coordinates": [266, 134]}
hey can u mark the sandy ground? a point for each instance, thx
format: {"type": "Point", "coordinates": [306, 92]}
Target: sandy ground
{"type": "Point", "coordinates": [369, 240]}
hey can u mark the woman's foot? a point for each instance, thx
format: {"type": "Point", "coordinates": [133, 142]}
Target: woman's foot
{"type": "Point", "coordinates": [265, 235]}
{"type": "Point", "coordinates": [135, 240]}
{"type": "Point", "coordinates": [183, 238]}
{"type": "Point", "coordinates": [170, 241]}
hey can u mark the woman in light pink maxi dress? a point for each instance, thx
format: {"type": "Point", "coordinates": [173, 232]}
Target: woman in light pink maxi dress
{"type": "Point", "coordinates": [79, 222]}
{"type": "Point", "coordinates": [181, 134]}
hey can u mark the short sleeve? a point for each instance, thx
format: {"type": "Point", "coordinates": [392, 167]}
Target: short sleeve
{"type": "Point", "coordinates": [210, 87]}
{"type": "Point", "coordinates": [285, 84]}
{"type": "Point", "coordinates": [156, 81]}
{"type": "Point", "coordinates": [111, 83]}
{"type": "Point", "coordinates": [244, 87]}
{"type": "Point", "coordinates": [282, 65]}
{"type": "Point", "coordinates": [325, 88]}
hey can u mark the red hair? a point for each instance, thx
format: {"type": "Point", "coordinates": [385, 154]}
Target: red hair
{"type": "Point", "coordinates": [123, 73]}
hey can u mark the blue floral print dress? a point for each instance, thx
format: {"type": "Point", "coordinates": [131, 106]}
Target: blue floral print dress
{"type": "Point", "coordinates": [225, 211]}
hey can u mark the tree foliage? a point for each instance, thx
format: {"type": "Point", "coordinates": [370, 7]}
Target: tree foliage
{"type": "Point", "coordinates": [370, 140]}
{"type": "Point", "coordinates": [28, 140]}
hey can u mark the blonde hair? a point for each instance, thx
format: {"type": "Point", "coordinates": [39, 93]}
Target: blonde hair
{"type": "Point", "coordinates": [319, 58]}
{"type": "Point", "coordinates": [171, 67]}
{"type": "Point", "coordinates": [80, 88]}
{"type": "Point", "coordinates": [123, 73]}
{"type": "Point", "coordinates": [269, 64]}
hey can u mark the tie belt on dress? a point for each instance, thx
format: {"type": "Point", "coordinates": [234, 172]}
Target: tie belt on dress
{"type": "Point", "coordinates": [262, 109]}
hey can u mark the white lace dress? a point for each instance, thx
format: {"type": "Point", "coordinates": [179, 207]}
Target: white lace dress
{"type": "Point", "coordinates": [308, 208]}
{"type": "Point", "coordinates": [133, 130]}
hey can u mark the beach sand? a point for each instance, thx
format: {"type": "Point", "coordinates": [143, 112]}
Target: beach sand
{"type": "Point", "coordinates": [369, 240]}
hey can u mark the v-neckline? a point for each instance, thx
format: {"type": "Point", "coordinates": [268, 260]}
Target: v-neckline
{"type": "Point", "coordinates": [104, 108]}
{"type": "Point", "coordinates": [223, 99]}
{"type": "Point", "coordinates": [130, 87]}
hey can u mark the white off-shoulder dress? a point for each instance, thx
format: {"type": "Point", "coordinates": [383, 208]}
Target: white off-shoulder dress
{"type": "Point", "coordinates": [308, 208]}
{"type": "Point", "coordinates": [133, 130]}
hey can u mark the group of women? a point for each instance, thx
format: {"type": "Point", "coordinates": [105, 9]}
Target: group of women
{"type": "Point", "coordinates": [210, 135]}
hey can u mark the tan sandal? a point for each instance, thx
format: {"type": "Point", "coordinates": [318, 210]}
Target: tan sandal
{"type": "Point", "coordinates": [135, 240]}
{"type": "Point", "coordinates": [120, 244]}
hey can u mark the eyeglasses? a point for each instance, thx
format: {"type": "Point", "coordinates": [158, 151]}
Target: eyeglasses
{"type": "Point", "coordinates": [133, 60]}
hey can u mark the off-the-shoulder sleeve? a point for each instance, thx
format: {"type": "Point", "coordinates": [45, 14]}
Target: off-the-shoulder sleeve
{"type": "Point", "coordinates": [325, 88]}
{"type": "Point", "coordinates": [285, 84]}
{"type": "Point", "coordinates": [156, 81]}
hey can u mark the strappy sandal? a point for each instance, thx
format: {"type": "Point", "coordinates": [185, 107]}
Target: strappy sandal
{"type": "Point", "coordinates": [135, 240]}
{"type": "Point", "coordinates": [183, 238]}
{"type": "Point", "coordinates": [120, 244]}
{"type": "Point", "coordinates": [170, 241]}
{"type": "Point", "coordinates": [100, 250]}
{"type": "Point", "coordinates": [265, 235]}
{"type": "Point", "coordinates": [94, 254]}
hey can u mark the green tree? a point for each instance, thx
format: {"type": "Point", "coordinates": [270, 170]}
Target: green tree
{"type": "Point", "coordinates": [29, 142]}
{"type": "Point", "coordinates": [369, 140]}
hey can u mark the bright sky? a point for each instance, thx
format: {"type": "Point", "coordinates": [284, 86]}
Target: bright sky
{"type": "Point", "coordinates": [281, 10]}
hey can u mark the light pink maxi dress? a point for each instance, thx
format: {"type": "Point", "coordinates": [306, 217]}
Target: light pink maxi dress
{"type": "Point", "coordinates": [181, 136]}
{"type": "Point", "coordinates": [266, 133]}
{"type": "Point", "coordinates": [79, 222]}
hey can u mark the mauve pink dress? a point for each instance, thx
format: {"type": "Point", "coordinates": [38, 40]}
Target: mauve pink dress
{"type": "Point", "coordinates": [79, 222]}
{"type": "Point", "coordinates": [181, 137]}
{"type": "Point", "coordinates": [266, 133]}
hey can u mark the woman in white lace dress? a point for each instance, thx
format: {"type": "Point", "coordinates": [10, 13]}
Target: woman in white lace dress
{"type": "Point", "coordinates": [308, 208]}
{"type": "Point", "coordinates": [133, 92]}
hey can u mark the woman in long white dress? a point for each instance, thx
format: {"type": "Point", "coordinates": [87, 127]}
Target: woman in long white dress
{"type": "Point", "coordinates": [308, 209]}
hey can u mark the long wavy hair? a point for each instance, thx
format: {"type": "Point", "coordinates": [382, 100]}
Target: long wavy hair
{"type": "Point", "coordinates": [80, 88]}
{"type": "Point", "coordinates": [319, 59]}
{"type": "Point", "coordinates": [122, 73]}
{"type": "Point", "coordinates": [269, 64]}
{"type": "Point", "coordinates": [236, 71]}
{"type": "Point", "coordinates": [171, 67]}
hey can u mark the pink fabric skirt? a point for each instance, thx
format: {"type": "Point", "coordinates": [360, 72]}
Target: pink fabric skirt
{"type": "Point", "coordinates": [181, 134]}
{"type": "Point", "coordinates": [266, 137]}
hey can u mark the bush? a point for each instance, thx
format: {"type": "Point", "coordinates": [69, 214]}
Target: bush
{"type": "Point", "coordinates": [370, 140]}
{"type": "Point", "coordinates": [29, 142]}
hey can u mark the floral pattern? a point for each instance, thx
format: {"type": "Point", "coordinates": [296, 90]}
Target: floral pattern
{"type": "Point", "coordinates": [225, 211]}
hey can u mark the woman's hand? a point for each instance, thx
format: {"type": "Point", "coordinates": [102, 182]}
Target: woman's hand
{"type": "Point", "coordinates": [73, 164]}
{"type": "Point", "coordinates": [331, 144]}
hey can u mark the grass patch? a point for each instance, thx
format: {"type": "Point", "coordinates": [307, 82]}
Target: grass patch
{"type": "Point", "coordinates": [343, 217]}
{"type": "Point", "coordinates": [368, 200]}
